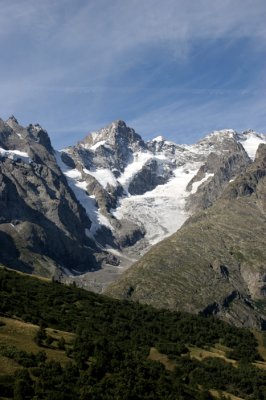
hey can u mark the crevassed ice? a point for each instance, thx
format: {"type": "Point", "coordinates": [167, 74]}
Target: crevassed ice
{"type": "Point", "coordinates": [162, 210]}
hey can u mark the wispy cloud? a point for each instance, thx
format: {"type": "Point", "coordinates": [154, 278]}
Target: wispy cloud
{"type": "Point", "coordinates": [187, 121]}
{"type": "Point", "coordinates": [108, 58]}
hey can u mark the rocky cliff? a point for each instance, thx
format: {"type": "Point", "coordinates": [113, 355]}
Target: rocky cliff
{"type": "Point", "coordinates": [42, 225]}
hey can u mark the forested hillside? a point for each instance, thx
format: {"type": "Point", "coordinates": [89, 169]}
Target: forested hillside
{"type": "Point", "coordinates": [87, 346]}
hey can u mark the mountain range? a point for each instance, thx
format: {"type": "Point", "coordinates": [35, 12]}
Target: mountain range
{"type": "Point", "coordinates": [88, 212]}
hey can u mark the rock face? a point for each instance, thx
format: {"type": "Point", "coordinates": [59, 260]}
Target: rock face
{"type": "Point", "coordinates": [215, 264]}
{"type": "Point", "coordinates": [138, 193]}
{"type": "Point", "coordinates": [152, 174]}
{"type": "Point", "coordinates": [216, 173]}
{"type": "Point", "coordinates": [42, 226]}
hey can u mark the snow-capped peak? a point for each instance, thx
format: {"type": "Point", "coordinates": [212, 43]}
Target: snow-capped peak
{"type": "Point", "coordinates": [158, 139]}
{"type": "Point", "coordinates": [116, 134]}
{"type": "Point", "coordinates": [251, 140]}
{"type": "Point", "coordinates": [221, 134]}
{"type": "Point", "coordinates": [145, 183]}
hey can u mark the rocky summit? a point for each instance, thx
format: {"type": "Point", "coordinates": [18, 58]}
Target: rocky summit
{"type": "Point", "coordinates": [42, 225]}
{"type": "Point", "coordinates": [137, 193]}
{"type": "Point", "coordinates": [88, 212]}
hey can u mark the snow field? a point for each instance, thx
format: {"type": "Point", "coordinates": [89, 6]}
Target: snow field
{"type": "Point", "coordinates": [161, 211]}
{"type": "Point", "coordinates": [79, 187]}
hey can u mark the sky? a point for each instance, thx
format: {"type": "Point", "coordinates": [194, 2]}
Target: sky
{"type": "Point", "coordinates": [177, 68]}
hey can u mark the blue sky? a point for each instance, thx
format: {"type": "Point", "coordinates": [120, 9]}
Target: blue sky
{"type": "Point", "coordinates": [180, 68]}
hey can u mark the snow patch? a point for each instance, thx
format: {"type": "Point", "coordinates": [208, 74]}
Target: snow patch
{"type": "Point", "coordinates": [251, 144]}
{"type": "Point", "coordinates": [71, 173]}
{"type": "Point", "coordinates": [79, 187]}
{"type": "Point", "coordinates": [16, 155]}
{"type": "Point", "coordinates": [104, 176]}
{"type": "Point", "coordinates": [98, 144]}
{"type": "Point", "coordinates": [137, 164]}
{"type": "Point", "coordinates": [158, 139]}
{"type": "Point", "coordinates": [196, 185]}
{"type": "Point", "coordinates": [230, 133]}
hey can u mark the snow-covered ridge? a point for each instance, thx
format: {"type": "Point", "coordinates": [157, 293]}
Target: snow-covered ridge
{"type": "Point", "coordinates": [161, 210]}
{"type": "Point", "coordinates": [158, 139]}
{"type": "Point", "coordinates": [221, 133]}
{"type": "Point", "coordinates": [251, 140]}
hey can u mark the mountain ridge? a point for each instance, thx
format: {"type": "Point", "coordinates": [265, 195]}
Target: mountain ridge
{"type": "Point", "coordinates": [215, 264]}
{"type": "Point", "coordinates": [88, 212]}
{"type": "Point", "coordinates": [40, 216]}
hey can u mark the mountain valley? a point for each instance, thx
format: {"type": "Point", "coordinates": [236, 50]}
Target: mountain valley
{"type": "Point", "coordinates": [87, 213]}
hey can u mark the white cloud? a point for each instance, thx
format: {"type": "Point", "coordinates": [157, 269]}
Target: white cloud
{"type": "Point", "coordinates": [120, 25]}
{"type": "Point", "coordinates": [107, 28]}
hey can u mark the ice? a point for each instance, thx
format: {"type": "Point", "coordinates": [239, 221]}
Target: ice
{"type": "Point", "coordinates": [162, 210]}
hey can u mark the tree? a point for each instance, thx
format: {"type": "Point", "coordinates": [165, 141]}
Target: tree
{"type": "Point", "coordinates": [40, 336]}
{"type": "Point", "coordinates": [61, 343]}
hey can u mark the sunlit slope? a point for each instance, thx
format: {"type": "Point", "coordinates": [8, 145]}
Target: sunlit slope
{"type": "Point", "coordinates": [215, 264]}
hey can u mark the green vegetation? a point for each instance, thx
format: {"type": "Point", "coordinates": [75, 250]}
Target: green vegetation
{"type": "Point", "coordinates": [88, 346]}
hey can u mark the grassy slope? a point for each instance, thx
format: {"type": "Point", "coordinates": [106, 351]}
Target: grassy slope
{"type": "Point", "coordinates": [177, 273]}
{"type": "Point", "coordinates": [21, 335]}
{"type": "Point", "coordinates": [183, 271]}
{"type": "Point", "coordinates": [105, 318]}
